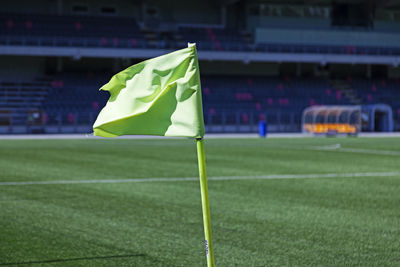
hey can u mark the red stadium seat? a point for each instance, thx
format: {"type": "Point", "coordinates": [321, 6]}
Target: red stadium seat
{"type": "Point", "coordinates": [9, 24]}
{"type": "Point", "coordinates": [28, 24]}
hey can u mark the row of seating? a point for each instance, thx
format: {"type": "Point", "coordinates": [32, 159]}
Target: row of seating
{"type": "Point", "coordinates": [233, 99]}
{"type": "Point", "coordinates": [29, 29]}
{"type": "Point", "coordinates": [19, 99]}
{"type": "Point", "coordinates": [73, 98]}
{"type": "Point", "coordinates": [119, 32]}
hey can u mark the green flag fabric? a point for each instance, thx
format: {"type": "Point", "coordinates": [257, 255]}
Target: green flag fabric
{"type": "Point", "coordinates": [159, 96]}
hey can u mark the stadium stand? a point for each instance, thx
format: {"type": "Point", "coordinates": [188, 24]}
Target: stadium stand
{"type": "Point", "coordinates": [97, 31]}
{"type": "Point", "coordinates": [215, 38]}
{"type": "Point", "coordinates": [240, 100]}
{"type": "Point", "coordinates": [53, 30]}
{"type": "Point", "coordinates": [230, 103]}
{"type": "Point", "coordinates": [234, 100]}
{"type": "Point", "coordinates": [21, 100]}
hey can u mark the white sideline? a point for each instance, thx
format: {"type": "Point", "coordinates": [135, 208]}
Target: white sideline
{"type": "Point", "coordinates": [339, 148]}
{"type": "Point", "coordinates": [221, 178]}
{"type": "Point", "coordinates": [207, 136]}
{"type": "Point", "coordinates": [366, 151]}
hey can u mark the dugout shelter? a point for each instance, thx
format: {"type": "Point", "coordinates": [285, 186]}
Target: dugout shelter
{"type": "Point", "coordinates": [332, 120]}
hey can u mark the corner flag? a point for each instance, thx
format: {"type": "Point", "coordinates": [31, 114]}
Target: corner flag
{"type": "Point", "coordinates": [159, 96]}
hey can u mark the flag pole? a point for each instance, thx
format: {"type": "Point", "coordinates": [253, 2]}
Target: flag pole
{"type": "Point", "coordinates": [205, 202]}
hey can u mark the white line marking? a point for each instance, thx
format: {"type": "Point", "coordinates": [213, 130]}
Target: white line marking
{"type": "Point", "coordinates": [371, 151]}
{"type": "Point", "coordinates": [329, 147]}
{"type": "Point", "coordinates": [358, 150]}
{"type": "Point", "coordinates": [221, 178]}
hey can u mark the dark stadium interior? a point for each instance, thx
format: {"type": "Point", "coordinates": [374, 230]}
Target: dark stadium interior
{"type": "Point", "coordinates": [259, 60]}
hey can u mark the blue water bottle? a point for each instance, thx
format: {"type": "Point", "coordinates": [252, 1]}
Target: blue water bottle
{"type": "Point", "coordinates": [262, 126]}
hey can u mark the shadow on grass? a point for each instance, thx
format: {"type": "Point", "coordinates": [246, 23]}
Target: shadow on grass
{"type": "Point", "coordinates": [72, 259]}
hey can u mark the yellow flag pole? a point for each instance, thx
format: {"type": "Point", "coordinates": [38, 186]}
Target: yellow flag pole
{"type": "Point", "coordinates": [205, 202]}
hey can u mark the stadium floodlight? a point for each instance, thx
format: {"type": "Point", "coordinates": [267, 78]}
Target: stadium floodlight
{"type": "Point", "coordinates": [332, 120]}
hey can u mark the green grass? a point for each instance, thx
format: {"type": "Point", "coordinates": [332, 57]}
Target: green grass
{"type": "Point", "coordinates": [276, 222]}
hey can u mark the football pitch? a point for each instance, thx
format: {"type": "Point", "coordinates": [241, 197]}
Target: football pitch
{"type": "Point", "coordinates": [136, 202]}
